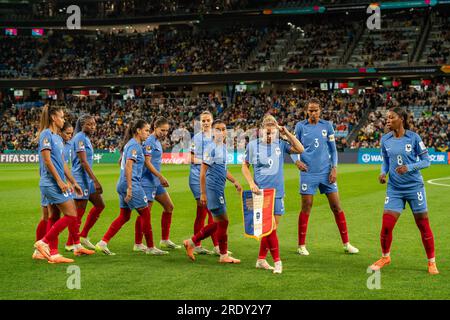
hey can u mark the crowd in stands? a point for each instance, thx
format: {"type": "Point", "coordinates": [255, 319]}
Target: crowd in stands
{"type": "Point", "coordinates": [440, 47]}
{"type": "Point", "coordinates": [432, 124]}
{"type": "Point", "coordinates": [19, 126]}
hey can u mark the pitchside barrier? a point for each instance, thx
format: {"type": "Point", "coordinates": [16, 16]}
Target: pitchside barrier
{"type": "Point", "coordinates": [361, 156]}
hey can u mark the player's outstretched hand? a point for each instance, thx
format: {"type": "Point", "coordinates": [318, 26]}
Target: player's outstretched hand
{"type": "Point", "coordinates": [382, 178]}
{"type": "Point", "coordinates": [255, 189]}
{"type": "Point", "coordinates": [301, 165]}
{"type": "Point", "coordinates": [401, 169]}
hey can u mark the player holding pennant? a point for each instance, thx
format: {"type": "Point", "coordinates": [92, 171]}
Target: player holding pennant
{"type": "Point", "coordinates": [213, 175]}
{"type": "Point", "coordinates": [318, 170]}
{"type": "Point", "coordinates": [266, 155]}
{"type": "Point", "coordinates": [404, 155]}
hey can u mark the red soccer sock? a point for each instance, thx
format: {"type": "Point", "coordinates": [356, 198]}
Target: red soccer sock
{"type": "Point", "coordinates": [205, 232]}
{"type": "Point", "coordinates": [54, 243]}
{"type": "Point", "coordinates": [427, 236]}
{"type": "Point", "coordinates": [41, 229]}
{"type": "Point", "coordinates": [80, 214]}
{"type": "Point", "coordinates": [272, 241]}
{"type": "Point", "coordinates": [117, 224]}
{"type": "Point", "coordinates": [386, 232]}
{"type": "Point", "coordinates": [146, 226]}
{"type": "Point", "coordinates": [342, 225]}
{"type": "Point", "coordinates": [302, 227]}
{"type": "Point", "coordinates": [91, 219]}
{"type": "Point", "coordinates": [199, 222]}
{"type": "Point", "coordinates": [138, 235]}
{"type": "Point", "coordinates": [166, 220]}
{"type": "Point", "coordinates": [58, 227]}
{"type": "Point", "coordinates": [222, 236]}
{"type": "Point", "coordinates": [214, 234]}
{"type": "Point", "coordinates": [263, 248]}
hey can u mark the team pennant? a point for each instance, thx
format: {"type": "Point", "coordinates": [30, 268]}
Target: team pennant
{"type": "Point", "coordinates": [258, 213]}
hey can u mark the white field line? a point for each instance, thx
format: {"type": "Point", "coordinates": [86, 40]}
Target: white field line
{"type": "Point", "coordinates": [432, 181]}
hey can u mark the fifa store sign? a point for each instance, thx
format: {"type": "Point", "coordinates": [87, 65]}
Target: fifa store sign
{"type": "Point", "coordinates": [373, 156]}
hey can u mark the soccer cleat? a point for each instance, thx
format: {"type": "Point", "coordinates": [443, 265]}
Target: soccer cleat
{"type": "Point", "coordinates": [225, 258]}
{"type": "Point", "coordinates": [37, 255]}
{"type": "Point", "coordinates": [69, 248]}
{"type": "Point", "coordinates": [302, 251]}
{"type": "Point", "coordinates": [377, 265]}
{"type": "Point", "coordinates": [43, 249]}
{"type": "Point", "coordinates": [201, 250]}
{"type": "Point", "coordinates": [80, 251]}
{"type": "Point", "coordinates": [189, 249]}
{"type": "Point", "coordinates": [168, 244]}
{"type": "Point", "coordinates": [216, 251]}
{"type": "Point", "coordinates": [348, 248]}
{"type": "Point", "coordinates": [432, 269]}
{"type": "Point", "coordinates": [156, 252]}
{"type": "Point", "coordinates": [278, 267]}
{"type": "Point", "coordinates": [86, 243]}
{"type": "Point", "coordinates": [57, 258]}
{"type": "Point", "coordinates": [140, 247]}
{"type": "Point", "coordinates": [103, 247]}
{"type": "Point", "coordinates": [263, 264]}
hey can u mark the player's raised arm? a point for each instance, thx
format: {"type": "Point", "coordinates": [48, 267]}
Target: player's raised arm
{"type": "Point", "coordinates": [296, 145]}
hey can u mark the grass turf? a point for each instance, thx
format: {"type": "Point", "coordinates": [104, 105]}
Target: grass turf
{"type": "Point", "coordinates": [327, 273]}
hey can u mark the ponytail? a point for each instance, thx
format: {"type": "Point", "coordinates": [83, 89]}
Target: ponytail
{"type": "Point", "coordinates": [159, 122]}
{"type": "Point", "coordinates": [131, 131]}
{"type": "Point", "coordinates": [46, 117]}
{"type": "Point", "coordinates": [81, 121]}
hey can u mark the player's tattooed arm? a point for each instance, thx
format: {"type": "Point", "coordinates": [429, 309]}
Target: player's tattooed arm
{"type": "Point", "coordinates": [128, 177]}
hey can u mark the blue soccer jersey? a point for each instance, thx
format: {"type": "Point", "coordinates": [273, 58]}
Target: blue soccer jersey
{"type": "Point", "coordinates": [54, 143]}
{"type": "Point", "coordinates": [152, 148]}
{"type": "Point", "coordinates": [133, 151]}
{"type": "Point", "coordinates": [81, 143]}
{"type": "Point", "coordinates": [408, 150]}
{"type": "Point", "coordinates": [267, 161]}
{"type": "Point", "coordinates": [216, 158]}
{"type": "Point", "coordinates": [199, 144]}
{"type": "Point", "coordinates": [320, 148]}
{"type": "Point", "coordinates": [68, 152]}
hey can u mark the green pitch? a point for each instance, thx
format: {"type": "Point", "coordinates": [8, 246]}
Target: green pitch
{"type": "Point", "coordinates": [327, 273]}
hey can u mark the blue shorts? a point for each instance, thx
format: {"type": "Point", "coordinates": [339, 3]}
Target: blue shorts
{"type": "Point", "coordinates": [396, 201]}
{"type": "Point", "coordinates": [44, 201]}
{"type": "Point", "coordinates": [279, 206]}
{"type": "Point", "coordinates": [88, 189]}
{"type": "Point", "coordinates": [152, 192]}
{"type": "Point", "coordinates": [216, 202]}
{"type": "Point", "coordinates": [138, 198]}
{"type": "Point", "coordinates": [309, 184]}
{"type": "Point", "coordinates": [54, 195]}
{"type": "Point", "coordinates": [195, 189]}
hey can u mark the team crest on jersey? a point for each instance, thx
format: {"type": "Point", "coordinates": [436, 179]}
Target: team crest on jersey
{"type": "Point", "coordinates": [408, 147]}
{"type": "Point", "coordinates": [324, 133]}
{"type": "Point", "coordinates": [46, 142]}
{"type": "Point", "coordinates": [277, 151]}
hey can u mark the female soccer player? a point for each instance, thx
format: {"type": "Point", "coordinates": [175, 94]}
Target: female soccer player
{"type": "Point", "coordinates": [53, 171]}
{"type": "Point", "coordinates": [200, 142]}
{"type": "Point", "coordinates": [129, 188]}
{"type": "Point", "coordinates": [82, 161]}
{"type": "Point", "coordinates": [400, 149]}
{"type": "Point", "coordinates": [318, 169]}
{"type": "Point", "coordinates": [154, 185]}
{"type": "Point", "coordinates": [213, 175]}
{"type": "Point", "coordinates": [51, 212]}
{"type": "Point", "coordinates": [266, 155]}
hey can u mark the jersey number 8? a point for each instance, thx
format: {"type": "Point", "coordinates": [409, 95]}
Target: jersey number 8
{"type": "Point", "coordinates": [399, 160]}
